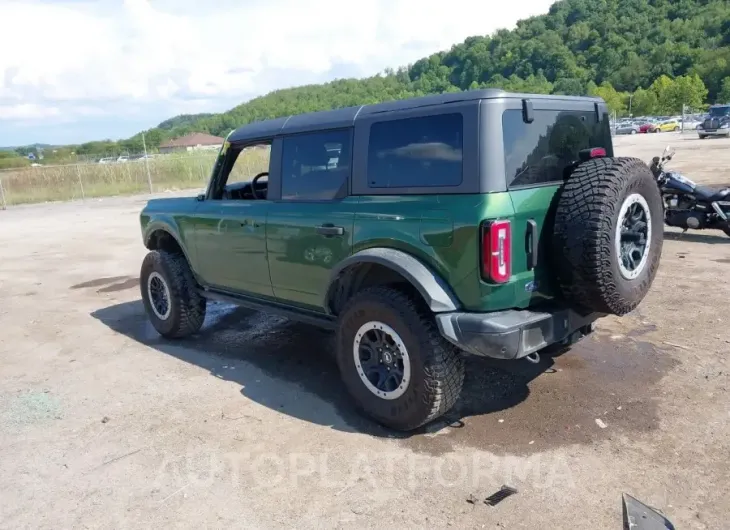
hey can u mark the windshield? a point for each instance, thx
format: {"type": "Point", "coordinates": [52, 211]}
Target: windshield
{"type": "Point", "coordinates": [719, 112]}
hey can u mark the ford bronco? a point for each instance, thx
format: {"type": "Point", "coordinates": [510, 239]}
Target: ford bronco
{"type": "Point", "coordinates": [483, 223]}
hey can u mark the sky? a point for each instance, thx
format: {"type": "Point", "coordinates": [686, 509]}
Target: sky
{"type": "Point", "coordinates": [78, 70]}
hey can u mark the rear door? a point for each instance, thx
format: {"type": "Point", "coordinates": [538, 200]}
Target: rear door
{"type": "Point", "coordinates": [538, 157]}
{"type": "Point", "coordinates": [310, 224]}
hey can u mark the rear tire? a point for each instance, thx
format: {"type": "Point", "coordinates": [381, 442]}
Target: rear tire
{"type": "Point", "coordinates": [435, 371]}
{"type": "Point", "coordinates": [606, 209]}
{"type": "Point", "coordinates": [169, 295]}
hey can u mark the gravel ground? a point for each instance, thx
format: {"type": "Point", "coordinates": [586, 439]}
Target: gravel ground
{"type": "Point", "coordinates": [105, 425]}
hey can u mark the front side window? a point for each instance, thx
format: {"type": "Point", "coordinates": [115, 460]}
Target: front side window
{"type": "Point", "coordinates": [540, 152]}
{"type": "Point", "coordinates": [251, 161]}
{"type": "Point", "coordinates": [416, 152]}
{"type": "Point", "coordinates": [239, 166]}
{"type": "Point", "coordinates": [316, 166]}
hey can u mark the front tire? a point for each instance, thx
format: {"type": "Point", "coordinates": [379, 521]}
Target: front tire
{"type": "Point", "coordinates": [169, 295]}
{"type": "Point", "coordinates": [393, 360]}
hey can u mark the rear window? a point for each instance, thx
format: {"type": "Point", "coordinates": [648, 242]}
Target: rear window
{"type": "Point", "coordinates": [416, 152]}
{"type": "Point", "coordinates": [539, 152]}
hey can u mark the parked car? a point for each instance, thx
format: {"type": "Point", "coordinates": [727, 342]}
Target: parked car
{"type": "Point", "coordinates": [107, 160]}
{"type": "Point", "coordinates": [647, 127]}
{"type": "Point", "coordinates": [668, 126]}
{"type": "Point", "coordinates": [400, 227]}
{"type": "Point", "coordinates": [628, 128]}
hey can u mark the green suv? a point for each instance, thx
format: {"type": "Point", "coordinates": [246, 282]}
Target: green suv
{"type": "Point", "coordinates": [482, 222]}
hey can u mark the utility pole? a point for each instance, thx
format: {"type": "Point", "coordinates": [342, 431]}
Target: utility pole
{"type": "Point", "coordinates": [147, 163]}
{"type": "Point", "coordinates": [631, 105]}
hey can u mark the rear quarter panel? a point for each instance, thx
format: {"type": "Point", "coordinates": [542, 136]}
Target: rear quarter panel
{"type": "Point", "coordinates": [443, 231]}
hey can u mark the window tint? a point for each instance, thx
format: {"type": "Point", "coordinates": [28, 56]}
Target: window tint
{"type": "Point", "coordinates": [315, 166]}
{"type": "Point", "coordinates": [539, 152]}
{"type": "Point", "coordinates": [416, 152]}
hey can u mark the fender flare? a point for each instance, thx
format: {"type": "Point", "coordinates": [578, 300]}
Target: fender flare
{"type": "Point", "coordinates": [161, 226]}
{"type": "Point", "coordinates": [433, 288]}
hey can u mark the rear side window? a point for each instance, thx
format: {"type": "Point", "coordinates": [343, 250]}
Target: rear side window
{"type": "Point", "coordinates": [426, 151]}
{"type": "Point", "coordinates": [316, 166]}
{"type": "Point", "coordinates": [539, 152]}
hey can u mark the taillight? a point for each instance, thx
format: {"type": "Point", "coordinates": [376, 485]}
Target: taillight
{"type": "Point", "coordinates": [497, 251]}
{"type": "Point", "coordinates": [589, 154]}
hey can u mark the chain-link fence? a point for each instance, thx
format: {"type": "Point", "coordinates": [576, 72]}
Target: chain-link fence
{"type": "Point", "coordinates": [82, 180]}
{"type": "Point", "coordinates": [119, 176]}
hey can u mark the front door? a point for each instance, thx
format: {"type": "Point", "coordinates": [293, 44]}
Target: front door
{"type": "Point", "coordinates": [231, 225]}
{"type": "Point", "coordinates": [309, 228]}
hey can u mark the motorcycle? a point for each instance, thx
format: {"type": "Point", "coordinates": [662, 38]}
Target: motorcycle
{"type": "Point", "coordinates": [687, 204]}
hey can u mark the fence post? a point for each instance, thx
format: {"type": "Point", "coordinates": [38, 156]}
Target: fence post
{"type": "Point", "coordinates": [2, 195]}
{"type": "Point", "coordinates": [81, 183]}
{"type": "Point", "coordinates": [147, 163]}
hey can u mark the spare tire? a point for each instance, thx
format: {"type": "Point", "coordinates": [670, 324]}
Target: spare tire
{"type": "Point", "coordinates": [608, 236]}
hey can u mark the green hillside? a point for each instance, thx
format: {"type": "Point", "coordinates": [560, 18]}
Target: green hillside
{"type": "Point", "coordinates": [605, 47]}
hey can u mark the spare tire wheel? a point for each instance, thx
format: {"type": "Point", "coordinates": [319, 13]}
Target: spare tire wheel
{"type": "Point", "coordinates": [608, 237]}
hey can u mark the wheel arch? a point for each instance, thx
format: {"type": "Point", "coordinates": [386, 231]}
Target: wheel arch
{"type": "Point", "coordinates": [382, 266]}
{"type": "Point", "coordinates": [160, 235]}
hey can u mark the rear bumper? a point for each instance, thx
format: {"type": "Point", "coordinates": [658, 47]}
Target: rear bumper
{"type": "Point", "coordinates": [513, 334]}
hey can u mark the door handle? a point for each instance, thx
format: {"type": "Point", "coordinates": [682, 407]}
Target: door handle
{"type": "Point", "coordinates": [532, 243]}
{"type": "Point", "coordinates": [249, 222]}
{"type": "Point", "coordinates": [330, 230]}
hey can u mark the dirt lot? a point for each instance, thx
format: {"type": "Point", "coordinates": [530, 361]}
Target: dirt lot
{"type": "Point", "coordinates": [103, 424]}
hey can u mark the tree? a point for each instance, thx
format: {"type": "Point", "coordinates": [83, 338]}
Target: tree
{"type": "Point", "coordinates": [663, 89]}
{"type": "Point", "coordinates": [688, 90]}
{"type": "Point", "coordinates": [724, 96]}
{"type": "Point", "coordinates": [614, 100]}
{"type": "Point", "coordinates": [644, 102]}
{"type": "Point", "coordinates": [569, 87]}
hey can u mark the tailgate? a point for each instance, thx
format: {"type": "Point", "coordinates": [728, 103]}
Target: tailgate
{"type": "Point", "coordinates": [534, 217]}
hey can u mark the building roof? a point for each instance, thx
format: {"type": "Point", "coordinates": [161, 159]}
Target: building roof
{"type": "Point", "coordinates": [346, 117]}
{"type": "Point", "coordinates": [193, 139]}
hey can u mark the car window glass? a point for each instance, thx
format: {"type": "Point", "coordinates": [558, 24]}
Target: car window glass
{"type": "Point", "coordinates": [539, 152]}
{"type": "Point", "coordinates": [316, 166]}
{"type": "Point", "coordinates": [416, 152]}
{"type": "Point", "coordinates": [251, 161]}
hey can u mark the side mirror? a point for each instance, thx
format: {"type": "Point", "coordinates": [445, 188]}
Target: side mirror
{"type": "Point", "coordinates": [200, 197]}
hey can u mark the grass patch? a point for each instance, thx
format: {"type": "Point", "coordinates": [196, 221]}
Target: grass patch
{"type": "Point", "coordinates": [170, 172]}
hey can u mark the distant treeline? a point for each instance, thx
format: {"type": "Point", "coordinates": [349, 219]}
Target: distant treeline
{"type": "Point", "coordinates": [650, 55]}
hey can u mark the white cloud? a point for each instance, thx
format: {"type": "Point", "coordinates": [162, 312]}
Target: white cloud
{"type": "Point", "coordinates": [71, 59]}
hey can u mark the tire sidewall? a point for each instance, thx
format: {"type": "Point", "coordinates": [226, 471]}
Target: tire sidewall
{"type": "Point", "coordinates": [644, 185]}
{"type": "Point", "coordinates": [155, 262]}
{"type": "Point", "coordinates": [406, 410]}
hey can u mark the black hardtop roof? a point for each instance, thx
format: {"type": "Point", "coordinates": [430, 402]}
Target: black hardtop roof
{"type": "Point", "coordinates": [345, 117]}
